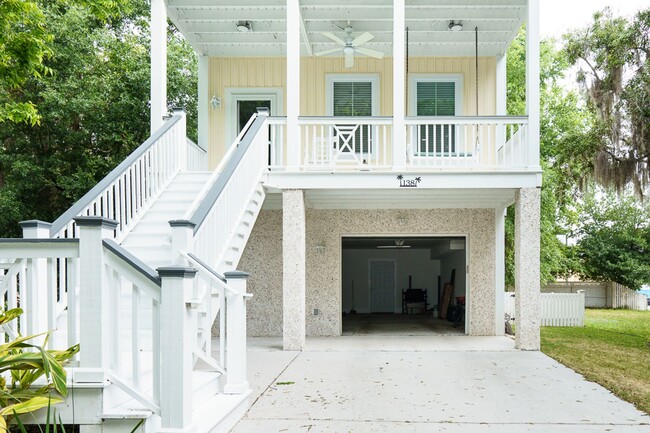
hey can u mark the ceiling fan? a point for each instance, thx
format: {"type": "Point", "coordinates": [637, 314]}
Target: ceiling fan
{"type": "Point", "coordinates": [351, 46]}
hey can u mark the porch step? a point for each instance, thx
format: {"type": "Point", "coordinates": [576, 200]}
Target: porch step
{"type": "Point", "coordinates": [220, 413]}
{"type": "Point", "coordinates": [150, 239]}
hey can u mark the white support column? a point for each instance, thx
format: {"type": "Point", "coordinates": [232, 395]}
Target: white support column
{"type": "Point", "coordinates": [293, 269]}
{"type": "Point", "coordinates": [33, 300]}
{"type": "Point", "coordinates": [293, 85]}
{"type": "Point", "coordinates": [93, 298]}
{"type": "Point", "coordinates": [527, 249]}
{"type": "Point", "coordinates": [399, 87]}
{"type": "Point", "coordinates": [203, 102]}
{"type": "Point", "coordinates": [158, 63]}
{"type": "Point", "coordinates": [501, 96]}
{"type": "Point", "coordinates": [177, 346]}
{"type": "Point", "coordinates": [532, 82]}
{"type": "Point", "coordinates": [500, 268]}
{"type": "Point", "coordinates": [236, 380]}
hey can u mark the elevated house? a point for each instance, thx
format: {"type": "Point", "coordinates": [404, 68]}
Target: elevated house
{"type": "Point", "coordinates": [348, 150]}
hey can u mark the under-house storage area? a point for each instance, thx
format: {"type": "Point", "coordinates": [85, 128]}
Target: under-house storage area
{"type": "Point", "coordinates": [403, 285]}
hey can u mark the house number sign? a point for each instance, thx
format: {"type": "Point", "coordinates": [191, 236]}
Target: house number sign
{"type": "Point", "coordinates": [408, 183]}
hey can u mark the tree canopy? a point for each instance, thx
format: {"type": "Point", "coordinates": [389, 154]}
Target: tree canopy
{"type": "Point", "coordinates": [92, 106]}
{"type": "Point", "coordinates": [611, 55]}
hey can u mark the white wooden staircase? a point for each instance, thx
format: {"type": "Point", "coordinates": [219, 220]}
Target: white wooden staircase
{"type": "Point", "coordinates": [141, 295]}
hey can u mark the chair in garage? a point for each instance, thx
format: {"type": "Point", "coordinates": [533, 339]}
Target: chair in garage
{"type": "Point", "coordinates": [414, 300]}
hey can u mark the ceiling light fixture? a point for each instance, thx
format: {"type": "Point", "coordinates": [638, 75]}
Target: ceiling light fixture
{"type": "Point", "coordinates": [399, 243]}
{"type": "Point", "coordinates": [244, 26]}
{"type": "Point", "coordinates": [455, 26]}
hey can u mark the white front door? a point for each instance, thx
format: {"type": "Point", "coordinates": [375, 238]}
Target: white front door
{"type": "Point", "coordinates": [382, 286]}
{"type": "Point", "coordinates": [242, 103]}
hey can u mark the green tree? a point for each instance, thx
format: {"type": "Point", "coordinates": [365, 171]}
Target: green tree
{"type": "Point", "coordinates": [614, 240]}
{"type": "Point", "coordinates": [612, 55]}
{"type": "Point", "coordinates": [564, 123]}
{"type": "Point", "coordinates": [94, 110]}
{"type": "Point", "coordinates": [26, 42]}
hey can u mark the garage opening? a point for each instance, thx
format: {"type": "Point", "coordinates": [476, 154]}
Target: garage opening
{"type": "Point", "coordinates": [404, 285]}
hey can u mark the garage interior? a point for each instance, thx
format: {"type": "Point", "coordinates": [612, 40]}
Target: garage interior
{"type": "Point", "coordinates": [406, 285]}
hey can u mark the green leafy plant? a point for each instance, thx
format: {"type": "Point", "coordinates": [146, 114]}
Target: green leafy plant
{"type": "Point", "coordinates": [27, 363]}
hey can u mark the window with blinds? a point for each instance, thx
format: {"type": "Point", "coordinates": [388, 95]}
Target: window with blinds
{"type": "Point", "coordinates": [354, 98]}
{"type": "Point", "coordinates": [436, 98]}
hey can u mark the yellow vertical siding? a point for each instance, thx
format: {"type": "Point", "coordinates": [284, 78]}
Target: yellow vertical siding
{"type": "Point", "coordinates": [268, 72]}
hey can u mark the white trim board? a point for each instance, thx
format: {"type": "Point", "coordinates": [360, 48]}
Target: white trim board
{"type": "Point", "coordinates": [234, 94]}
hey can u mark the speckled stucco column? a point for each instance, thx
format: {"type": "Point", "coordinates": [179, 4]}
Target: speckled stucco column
{"type": "Point", "coordinates": [293, 269]}
{"type": "Point", "coordinates": [527, 290]}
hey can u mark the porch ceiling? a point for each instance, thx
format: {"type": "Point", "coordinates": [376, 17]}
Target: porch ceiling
{"type": "Point", "coordinates": [210, 25]}
{"type": "Point", "coordinates": [400, 199]}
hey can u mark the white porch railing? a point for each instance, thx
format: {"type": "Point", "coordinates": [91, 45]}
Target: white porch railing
{"type": "Point", "coordinates": [128, 191]}
{"type": "Point", "coordinates": [135, 326]}
{"type": "Point", "coordinates": [557, 309]}
{"type": "Point", "coordinates": [197, 157]}
{"type": "Point", "coordinates": [345, 142]}
{"type": "Point", "coordinates": [223, 203]}
{"type": "Point", "coordinates": [476, 143]}
{"type": "Point", "coordinates": [438, 143]}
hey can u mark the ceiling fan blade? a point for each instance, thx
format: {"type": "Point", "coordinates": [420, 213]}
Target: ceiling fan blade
{"type": "Point", "coordinates": [334, 38]}
{"type": "Point", "coordinates": [349, 59]}
{"type": "Point", "coordinates": [326, 52]}
{"type": "Point", "coordinates": [360, 40]}
{"type": "Point", "coordinates": [370, 53]}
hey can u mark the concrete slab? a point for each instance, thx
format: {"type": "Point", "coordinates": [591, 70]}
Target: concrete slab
{"type": "Point", "coordinates": [404, 384]}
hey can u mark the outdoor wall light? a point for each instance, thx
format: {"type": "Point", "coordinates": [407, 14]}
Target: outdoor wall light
{"type": "Point", "coordinates": [215, 102]}
{"type": "Point", "coordinates": [320, 247]}
{"type": "Point", "coordinates": [455, 26]}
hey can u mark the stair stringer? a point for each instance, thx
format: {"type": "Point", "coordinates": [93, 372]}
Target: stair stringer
{"type": "Point", "coordinates": [230, 257]}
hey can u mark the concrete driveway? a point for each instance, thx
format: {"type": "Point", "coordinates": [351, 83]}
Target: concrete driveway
{"type": "Point", "coordinates": [421, 384]}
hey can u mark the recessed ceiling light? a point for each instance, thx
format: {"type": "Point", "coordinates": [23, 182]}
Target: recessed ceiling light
{"type": "Point", "coordinates": [244, 26]}
{"type": "Point", "coordinates": [455, 26]}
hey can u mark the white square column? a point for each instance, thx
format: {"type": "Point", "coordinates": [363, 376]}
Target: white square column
{"type": "Point", "coordinates": [203, 101]}
{"type": "Point", "coordinates": [293, 269]}
{"type": "Point", "coordinates": [293, 85]}
{"type": "Point", "coordinates": [532, 82]}
{"type": "Point", "coordinates": [158, 63]}
{"type": "Point", "coordinates": [399, 86]}
{"type": "Point", "coordinates": [527, 250]}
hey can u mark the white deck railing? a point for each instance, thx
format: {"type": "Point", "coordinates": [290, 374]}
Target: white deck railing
{"type": "Point", "coordinates": [128, 191]}
{"type": "Point", "coordinates": [225, 199]}
{"type": "Point", "coordinates": [197, 157]}
{"type": "Point", "coordinates": [477, 143]}
{"type": "Point", "coordinates": [438, 143]}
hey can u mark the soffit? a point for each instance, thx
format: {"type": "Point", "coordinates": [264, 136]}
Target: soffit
{"type": "Point", "coordinates": [400, 199]}
{"type": "Point", "coordinates": [210, 25]}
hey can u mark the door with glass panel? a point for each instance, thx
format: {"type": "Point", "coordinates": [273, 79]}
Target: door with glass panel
{"type": "Point", "coordinates": [352, 99]}
{"type": "Point", "coordinates": [436, 98]}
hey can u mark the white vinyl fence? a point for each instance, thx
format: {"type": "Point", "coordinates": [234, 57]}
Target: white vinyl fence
{"type": "Point", "coordinates": [557, 309]}
{"type": "Point", "coordinates": [622, 297]}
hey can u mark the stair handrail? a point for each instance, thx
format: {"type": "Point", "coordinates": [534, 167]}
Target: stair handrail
{"type": "Point", "coordinates": [99, 196]}
{"type": "Point", "coordinates": [217, 171]}
{"type": "Point", "coordinates": [239, 150]}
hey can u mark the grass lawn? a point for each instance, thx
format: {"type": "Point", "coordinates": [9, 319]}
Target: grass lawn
{"type": "Point", "coordinates": [612, 349]}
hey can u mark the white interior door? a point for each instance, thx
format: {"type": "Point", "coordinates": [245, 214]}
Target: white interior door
{"type": "Point", "coordinates": [382, 286]}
